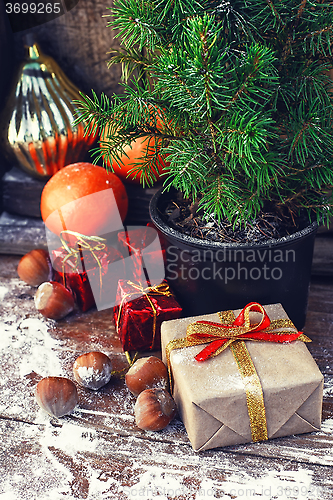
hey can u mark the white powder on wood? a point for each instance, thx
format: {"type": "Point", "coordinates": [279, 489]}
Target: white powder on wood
{"type": "Point", "coordinates": [328, 385]}
{"type": "Point", "coordinates": [68, 460]}
{"type": "Point", "coordinates": [90, 375]}
{"type": "Point", "coordinates": [3, 291]}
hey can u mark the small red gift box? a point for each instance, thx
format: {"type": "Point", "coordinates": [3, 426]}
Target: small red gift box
{"type": "Point", "coordinates": [147, 254]}
{"type": "Point", "coordinates": [140, 313]}
{"type": "Point", "coordinates": [91, 276]}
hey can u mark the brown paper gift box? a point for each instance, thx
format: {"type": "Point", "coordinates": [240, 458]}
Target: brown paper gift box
{"type": "Point", "coordinates": [211, 398]}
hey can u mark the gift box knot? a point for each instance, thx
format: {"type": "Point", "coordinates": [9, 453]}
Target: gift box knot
{"type": "Point", "coordinates": [83, 242]}
{"type": "Point", "coordinates": [148, 292]}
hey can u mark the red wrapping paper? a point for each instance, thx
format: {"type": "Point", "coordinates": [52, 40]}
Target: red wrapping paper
{"type": "Point", "coordinates": [75, 276]}
{"type": "Point", "coordinates": [134, 316]}
{"type": "Point", "coordinates": [139, 244]}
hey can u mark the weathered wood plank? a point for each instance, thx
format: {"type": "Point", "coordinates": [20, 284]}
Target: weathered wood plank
{"type": "Point", "coordinates": [19, 235]}
{"type": "Point", "coordinates": [21, 193]}
{"type": "Point", "coordinates": [33, 347]}
{"type": "Point", "coordinates": [69, 461]}
{"type": "Point", "coordinates": [322, 264]}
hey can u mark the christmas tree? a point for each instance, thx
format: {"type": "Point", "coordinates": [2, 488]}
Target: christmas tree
{"type": "Point", "coordinates": [236, 95]}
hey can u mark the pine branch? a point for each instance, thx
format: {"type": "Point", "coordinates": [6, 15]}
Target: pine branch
{"type": "Point", "coordinates": [189, 165]}
{"type": "Point", "coordinates": [131, 60]}
{"type": "Point", "coordinates": [254, 67]}
{"type": "Point", "coordinates": [301, 10]}
{"type": "Point", "coordinates": [237, 97]}
{"type": "Point", "coordinates": [94, 113]}
{"type": "Point", "coordinates": [299, 136]}
{"type": "Point", "coordinates": [138, 23]}
{"type": "Point", "coordinates": [275, 12]}
{"type": "Point", "coordinates": [318, 33]}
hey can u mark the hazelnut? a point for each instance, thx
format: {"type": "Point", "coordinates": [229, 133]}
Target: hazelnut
{"type": "Point", "coordinates": [53, 300]}
{"type": "Point", "coordinates": [57, 395]}
{"type": "Point", "coordinates": [146, 373]}
{"type": "Point", "coordinates": [35, 267]}
{"type": "Point", "coordinates": [92, 370]}
{"type": "Point", "coordinates": [154, 409]}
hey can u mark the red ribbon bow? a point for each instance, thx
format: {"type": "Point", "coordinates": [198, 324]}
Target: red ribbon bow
{"type": "Point", "coordinates": [219, 336]}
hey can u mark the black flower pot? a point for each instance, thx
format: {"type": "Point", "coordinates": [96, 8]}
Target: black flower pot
{"type": "Point", "coordinates": [211, 276]}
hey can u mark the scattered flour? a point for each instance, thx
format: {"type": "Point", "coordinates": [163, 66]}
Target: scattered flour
{"type": "Point", "coordinates": [69, 459]}
{"type": "Point", "coordinates": [64, 460]}
{"type": "Point", "coordinates": [3, 291]}
{"type": "Point", "coordinates": [327, 426]}
{"type": "Point", "coordinates": [280, 485]}
{"type": "Point", "coordinates": [29, 348]}
{"type": "Point", "coordinates": [69, 437]}
{"type": "Point", "coordinates": [157, 483]}
{"type": "Point", "coordinates": [328, 385]}
{"type": "Point", "coordinates": [94, 378]}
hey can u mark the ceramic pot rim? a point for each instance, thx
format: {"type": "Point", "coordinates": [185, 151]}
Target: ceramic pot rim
{"type": "Point", "coordinates": [205, 244]}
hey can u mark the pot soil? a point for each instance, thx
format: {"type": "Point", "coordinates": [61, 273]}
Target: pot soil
{"type": "Point", "coordinates": [208, 276]}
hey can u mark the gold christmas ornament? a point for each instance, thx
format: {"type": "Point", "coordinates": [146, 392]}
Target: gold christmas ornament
{"type": "Point", "coordinates": [37, 123]}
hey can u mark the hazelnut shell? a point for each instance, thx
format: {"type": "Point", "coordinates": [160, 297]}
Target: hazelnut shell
{"type": "Point", "coordinates": [92, 370]}
{"type": "Point", "coordinates": [35, 267]}
{"type": "Point", "coordinates": [53, 300]}
{"type": "Point", "coordinates": [146, 373]}
{"type": "Point", "coordinates": [56, 395]}
{"type": "Point", "coordinates": [154, 409]}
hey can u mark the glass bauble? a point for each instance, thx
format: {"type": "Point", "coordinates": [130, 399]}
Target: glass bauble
{"type": "Point", "coordinates": [38, 131]}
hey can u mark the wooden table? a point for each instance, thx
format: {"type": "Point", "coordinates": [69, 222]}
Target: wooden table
{"type": "Point", "coordinates": [98, 453]}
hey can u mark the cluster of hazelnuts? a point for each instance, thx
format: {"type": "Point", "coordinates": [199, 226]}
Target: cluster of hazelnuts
{"type": "Point", "coordinates": [52, 299]}
{"type": "Point", "coordinates": [147, 379]}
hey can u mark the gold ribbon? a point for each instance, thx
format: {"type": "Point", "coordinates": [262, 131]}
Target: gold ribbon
{"type": "Point", "coordinates": [121, 373]}
{"type": "Point", "coordinates": [161, 289]}
{"type": "Point", "coordinates": [83, 243]}
{"type": "Point", "coordinates": [230, 333]}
